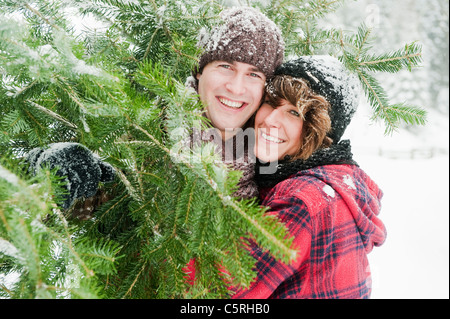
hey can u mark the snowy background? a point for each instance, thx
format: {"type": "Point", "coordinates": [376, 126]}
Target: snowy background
{"type": "Point", "coordinates": [412, 165]}
{"type": "Point", "coordinates": [413, 173]}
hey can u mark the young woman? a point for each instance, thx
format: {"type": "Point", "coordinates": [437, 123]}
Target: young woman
{"type": "Point", "coordinates": [329, 204]}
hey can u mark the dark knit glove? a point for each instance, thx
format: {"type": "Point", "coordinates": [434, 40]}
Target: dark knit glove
{"type": "Point", "coordinates": [82, 170]}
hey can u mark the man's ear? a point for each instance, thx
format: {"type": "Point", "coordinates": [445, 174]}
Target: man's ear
{"type": "Point", "coordinates": [198, 75]}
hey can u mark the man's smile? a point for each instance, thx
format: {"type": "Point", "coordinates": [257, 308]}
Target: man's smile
{"type": "Point", "coordinates": [230, 103]}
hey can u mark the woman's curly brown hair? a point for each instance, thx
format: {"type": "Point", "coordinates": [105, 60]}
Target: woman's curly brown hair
{"type": "Point", "coordinates": [312, 107]}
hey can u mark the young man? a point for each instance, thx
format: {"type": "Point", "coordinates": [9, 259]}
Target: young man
{"type": "Point", "coordinates": [238, 57]}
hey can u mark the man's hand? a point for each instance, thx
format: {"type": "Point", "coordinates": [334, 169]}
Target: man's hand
{"type": "Point", "coordinates": [81, 168]}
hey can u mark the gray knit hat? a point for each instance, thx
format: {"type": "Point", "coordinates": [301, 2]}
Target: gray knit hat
{"type": "Point", "coordinates": [328, 77]}
{"type": "Point", "coordinates": [246, 35]}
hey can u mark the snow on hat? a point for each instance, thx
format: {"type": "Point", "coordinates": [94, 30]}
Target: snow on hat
{"type": "Point", "coordinates": [246, 35]}
{"type": "Point", "coordinates": [328, 77]}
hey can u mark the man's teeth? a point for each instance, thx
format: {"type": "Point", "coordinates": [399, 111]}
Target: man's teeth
{"type": "Point", "coordinates": [271, 138]}
{"type": "Point", "coordinates": [232, 104]}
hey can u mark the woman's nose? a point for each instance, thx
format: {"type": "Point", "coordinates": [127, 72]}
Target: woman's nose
{"type": "Point", "coordinates": [274, 118]}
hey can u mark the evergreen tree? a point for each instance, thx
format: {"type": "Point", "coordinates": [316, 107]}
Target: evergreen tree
{"type": "Point", "coordinates": [121, 93]}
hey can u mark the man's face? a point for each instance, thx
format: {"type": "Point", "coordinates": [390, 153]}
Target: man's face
{"type": "Point", "coordinates": [232, 92]}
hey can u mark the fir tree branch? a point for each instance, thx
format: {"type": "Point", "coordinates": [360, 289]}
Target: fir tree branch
{"type": "Point", "coordinates": [130, 187]}
{"type": "Point", "coordinates": [36, 272]}
{"type": "Point", "coordinates": [69, 244]}
{"type": "Point", "coordinates": [319, 9]}
{"type": "Point", "coordinates": [181, 53]}
{"type": "Point", "coordinates": [291, 254]}
{"type": "Point", "coordinates": [391, 59]}
{"type": "Point", "coordinates": [162, 23]}
{"type": "Point", "coordinates": [227, 201]}
{"type": "Point", "coordinates": [291, 22]}
{"type": "Point", "coordinates": [109, 210]}
{"type": "Point", "coordinates": [393, 62]}
{"type": "Point", "coordinates": [40, 15]}
{"type": "Point", "coordinates": [154, 140]}
{"type": "Point", "coordinates": [134, 282]}
{"type": "Point", "coordinates": [5, 289]}
{"type": "Point", "coordinates": [150, 43]}
{"type": "Point", "coordinates": [361, 40]}
{"type": "Point", "coordinates": [53, 114]}
{"type": "Point", "coordinates": [377, 100]}
{"type": "Point", "coordinates": [22, 90]}
{"type": "Point", "coordinates": [409, 114]}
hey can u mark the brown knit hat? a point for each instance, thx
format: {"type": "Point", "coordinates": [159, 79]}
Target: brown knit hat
{"type": "Point", "coordinates": [246, 35]}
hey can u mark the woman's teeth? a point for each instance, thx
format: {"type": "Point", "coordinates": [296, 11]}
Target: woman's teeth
{"type": "Point", "coordinates": [271, 138]}
{"type": "Point", "coordinates": [232, 104]}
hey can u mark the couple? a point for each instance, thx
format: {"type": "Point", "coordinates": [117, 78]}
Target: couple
{"type": "Point", "coordinates": [328, 204]}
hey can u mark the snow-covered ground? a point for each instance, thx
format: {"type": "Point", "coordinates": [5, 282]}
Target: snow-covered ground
{"type": "Point", "coordinates": [413, 263]}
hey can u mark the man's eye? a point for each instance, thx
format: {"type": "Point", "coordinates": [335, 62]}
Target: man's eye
{"type": "Point", "coordinates": [255, 75]}
{"type": "Point", "coordinates": [225, 66]}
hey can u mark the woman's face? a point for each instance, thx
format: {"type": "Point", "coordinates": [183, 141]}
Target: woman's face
{"type": "Point", "coordinates": [278, 131]}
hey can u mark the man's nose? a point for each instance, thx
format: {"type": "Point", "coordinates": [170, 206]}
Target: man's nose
{"type": "Point", "coordinates": [236, 84]}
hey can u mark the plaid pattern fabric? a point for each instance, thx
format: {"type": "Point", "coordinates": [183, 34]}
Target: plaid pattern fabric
{"type": "Point", "coordinates": [331, 211]}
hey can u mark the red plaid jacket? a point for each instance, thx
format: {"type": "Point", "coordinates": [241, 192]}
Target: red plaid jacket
{"type": "Point", "coordinates": [331, 211]}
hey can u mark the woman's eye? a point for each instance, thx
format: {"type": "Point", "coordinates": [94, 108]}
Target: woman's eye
{"type": "Point", "coordinates": [295, 113]}
{"type": "Point", "coordinates": [225, 66]}
{"type": "Point", "coordinates": [255, 75]}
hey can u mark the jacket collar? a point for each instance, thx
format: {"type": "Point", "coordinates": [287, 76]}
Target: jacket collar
{"type": "Point", "coordinates": [339, 153]}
